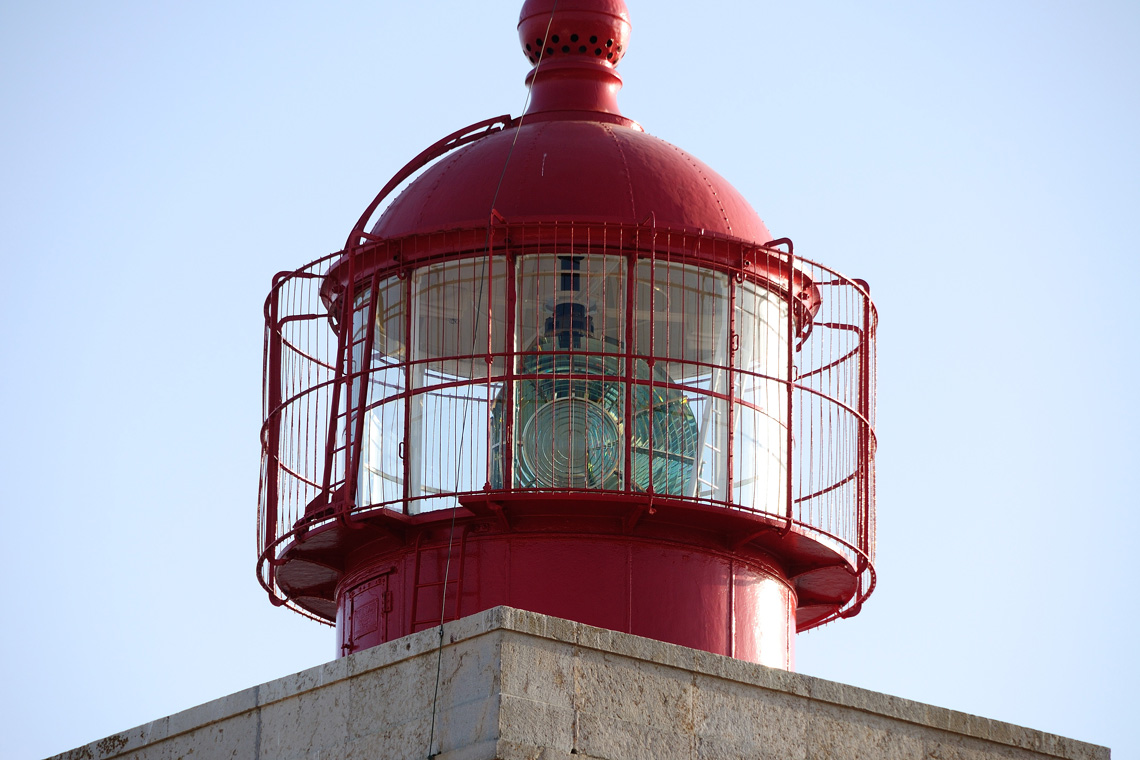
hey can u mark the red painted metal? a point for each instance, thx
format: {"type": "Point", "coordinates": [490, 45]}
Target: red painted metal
{"type": "Point", "coordinates": [397, 483]}
{"type": "Point", "coordinates": [571, 171]}
{"type": "Point", "coordinates": [574, 51]}
{"type": "Point", "coordinates": [649, 585]}
{"type": "Point", "coordinates": [455, 140]}
{"type": "Point", "coordinates": [790, 441]}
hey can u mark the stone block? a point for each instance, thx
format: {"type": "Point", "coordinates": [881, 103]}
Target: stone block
{"type": "Point", "coordinates": [467, 724]}
{"type": "Point", "coordinates": [383, 698]}
{"type": "Point", "coordinates": [957, 747]}
{"type": "Point", "coordinates": [220, 709]}
{"type": "Point", "coordinates": [167, 750]}
{"type": "Point", "coordinates": [649, 650]}
{"type": "Point", "coordinates": [405, 741]}
{"type": "Point", "coordinates": [123, 744]}
{"type": "Point", "coordinates": [836, 733]}
{"type": "Point", "coordinates": [635, 691]}
{"type": "Point", "coordinates": [391, 652]}
{"type": "Point", "coordinates": [526, 722]}
{"type": "Point", "coordinates": [565, 631]}
{"type": "Point", "coordinates": [468, 672]}
{"type": "Point", "coordinates": [306, 680]}
{"type": "Point", "coordinates": [732, 714]}
{"type": "Point", "coordinates": [598, 639]}
{"type": "Point", "coordinates": [312, 721]}
{"type": "Point", "coordinates": [210, 742]}
{"type": "Point", "coordinates": [487, 750]}
{"type": "Point", "coordinates": [538, 669]}
{"type": "Point", "coordinates": [506, 750]}
{"type": "Point", "coordinates": [732, 748]}
{"type": "Point", "coordinates": [222, 740]}
{"type": "Point", "coordinates": [523, 621]}
{"type": "Point", "coordinates": [606, 736]}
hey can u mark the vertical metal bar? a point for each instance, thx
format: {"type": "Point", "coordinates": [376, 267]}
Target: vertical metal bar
{"type": "Point", "coordinates": [863, 492]}
{"type": "Point", "coordinates": [272, 382]}
{"type": "Point", "coordinates": [707, 433]}
{"type": "Point", "coordinates": [507, 443]}
{"type": "Point", "coordinates": [352, 466]}
{"type": "Point", "coordinates": [627, 413]}
{"type": "Point", "coordinates": [731, 389]}
{"type": "Point", "coordinates": [413, 450]}
{"type": "Point", "coordinates": [404, 454]}
{"type": "Point", "coordinates": [651, 362]}
{"type": "Point", "coordinates": [343, 329]}
{"type": "Point", "coordinates": [790, 410]}
{"type": "Point", "coordinates": [489, 268]}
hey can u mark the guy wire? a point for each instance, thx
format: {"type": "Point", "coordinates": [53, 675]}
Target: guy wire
{"type": "Point", "coordinates": [467, 399]}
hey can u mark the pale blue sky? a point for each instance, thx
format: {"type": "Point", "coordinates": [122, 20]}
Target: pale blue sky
{"type": "Point", "coordinates": [977, 163]}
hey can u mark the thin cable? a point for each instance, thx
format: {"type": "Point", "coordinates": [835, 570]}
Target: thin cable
{"type": "Point", "coordinates": [467, 398]}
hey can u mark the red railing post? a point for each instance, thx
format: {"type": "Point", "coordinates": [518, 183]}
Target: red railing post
{"type": "Point", "coordinates": [730, 394]}
{"type": "Point", "coordinates": [507, 442]}
{"type": "Point", "coordinates": [352, 456]}
{"type": "Point", "coordinates": [863, 496]}
{"type": "Point", "coordinates": [790, 402]}
{"type": "Point", "coordinates": [272, 381]}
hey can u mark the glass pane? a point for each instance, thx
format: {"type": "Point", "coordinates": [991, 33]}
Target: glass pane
{"type": "Point", "coordinates": [381, 468]}
{"type": "Point", "coordinates": [663, 435]}
{"type": "Point", "coordinates": [681, 319]}
{"type": "Point", "coordinates": [454, 301]}
{"type": "Point", "coordinates": [569, 400]}
{"type": "Point", "coordinates": [760, 436]}
{"type": "Point", "coordinates": [689, 306]}
{"type": "Point", "coordinates": [460, 310]}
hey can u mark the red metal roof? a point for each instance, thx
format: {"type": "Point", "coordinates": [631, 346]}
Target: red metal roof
{"type": "Point", "coordinates": [572, 170]}
{"type": "Point", "coordinates": [574, 156]}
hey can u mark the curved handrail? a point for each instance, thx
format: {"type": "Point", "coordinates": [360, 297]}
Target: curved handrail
{"type": "Point", "coordinates": [296, 426]}
{"type": "Point", "coordinates": [456, 139]}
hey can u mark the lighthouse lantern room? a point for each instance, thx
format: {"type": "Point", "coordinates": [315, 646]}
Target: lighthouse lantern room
{"type": "Point", "coordinates": [568, 369]}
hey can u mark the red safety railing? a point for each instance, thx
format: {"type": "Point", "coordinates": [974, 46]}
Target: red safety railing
{"type": "Point", "coordinates": [394, 374]}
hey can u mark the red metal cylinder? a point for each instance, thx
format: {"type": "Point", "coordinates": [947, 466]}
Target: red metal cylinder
{"type": "Point", "coordinates": [648, 583]}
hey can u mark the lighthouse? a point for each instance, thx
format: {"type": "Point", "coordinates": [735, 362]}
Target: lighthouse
{"type": "Point", "coordinates": [567, 369]}
{"type": "Point", "coordinates": [568, 447]}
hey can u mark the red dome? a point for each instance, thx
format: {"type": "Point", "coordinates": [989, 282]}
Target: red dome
{"type": "Point", "coordinates": [576, 158]}
{"type": "Point", "coordinates": [572, 170]}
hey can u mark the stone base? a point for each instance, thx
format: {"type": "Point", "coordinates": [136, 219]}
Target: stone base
{"type": "Point", "coordinates": [516, 685]}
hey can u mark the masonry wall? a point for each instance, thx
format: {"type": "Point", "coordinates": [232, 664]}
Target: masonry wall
{"type": "Point", "coordinates": [517, 685]}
